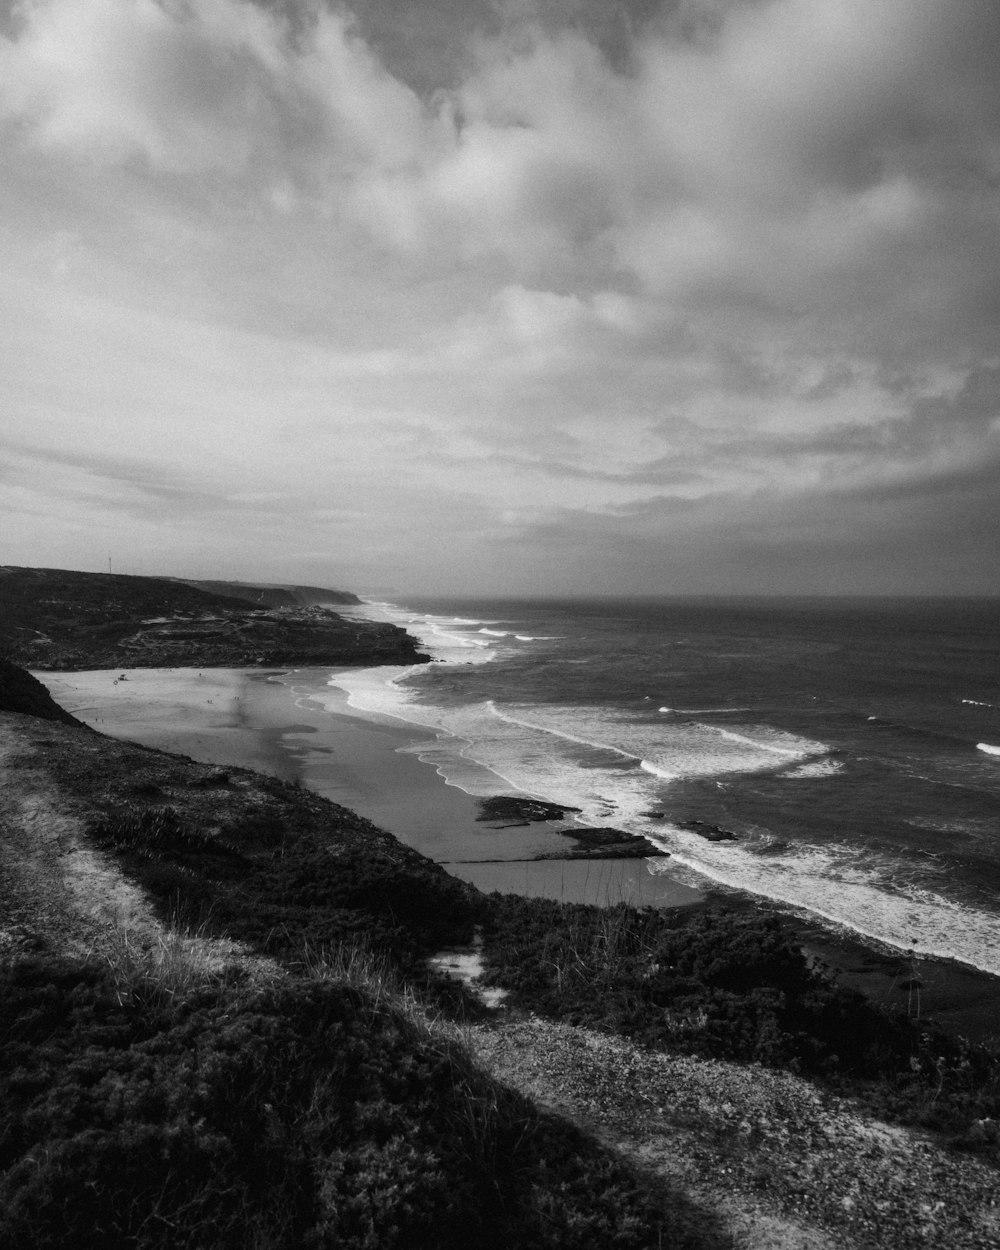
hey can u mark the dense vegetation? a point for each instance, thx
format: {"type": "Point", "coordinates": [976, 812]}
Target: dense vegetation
{"type": "Point", "coordinates": [216, 1116]}
{"type": "Point", "coordinates": [734, 985]}
{"type": "Point", "coordinates": [63, 619]}
{"type": "Point", "coordinates": [287, 892]}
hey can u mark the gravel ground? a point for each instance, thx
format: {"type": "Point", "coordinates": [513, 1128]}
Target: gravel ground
{"type": "Point", "coordinates": [789, 1166]}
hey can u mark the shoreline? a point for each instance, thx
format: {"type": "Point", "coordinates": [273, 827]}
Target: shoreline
{"type": "Point", "coordinates": [272, 721]}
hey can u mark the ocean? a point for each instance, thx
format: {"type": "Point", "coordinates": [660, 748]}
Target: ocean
{"type": "Point", "coordinates": [850, 747]}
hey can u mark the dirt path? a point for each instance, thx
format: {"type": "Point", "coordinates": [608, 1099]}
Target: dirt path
{"type": "Point", "coordinates": [53, 881]}
{"type": "Point", "coordinates": [788, 1167]}
{"type": "Point", "coordinates": [58, 891]}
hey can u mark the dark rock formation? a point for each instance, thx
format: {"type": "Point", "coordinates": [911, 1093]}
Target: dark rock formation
{"type": "Point", "coordinates": [521, 811]}
{"type": "Point", "coordinates": [604, 843]}
{"type": "Point", "coordinates": [588, 843]}
{"type": "Point", "coordinates": [711, 833]}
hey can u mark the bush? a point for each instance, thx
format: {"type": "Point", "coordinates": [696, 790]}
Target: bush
{"type": "Point", "coordinates": [282, 889]}
{"type": "Point", "coordinates": [732, 985]}
{"type": "Point", "coordinates": [300, 1114]}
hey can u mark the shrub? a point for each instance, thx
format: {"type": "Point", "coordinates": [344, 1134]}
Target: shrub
{"type": "Point", "coordinates": [301, 1114]}
{"type": "Point", "coordinates": [733, 985]}
{"type": "Point", "coordinates": [283, 889]}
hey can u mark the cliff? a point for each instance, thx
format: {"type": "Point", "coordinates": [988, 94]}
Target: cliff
{"type": "Point", "coordinates": [60, 619]}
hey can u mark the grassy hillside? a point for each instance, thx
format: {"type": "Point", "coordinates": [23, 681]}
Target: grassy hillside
{"type": "Point", "coordinates": [275, 595]}
{"type": "Point", "coordinates": [61, 619]}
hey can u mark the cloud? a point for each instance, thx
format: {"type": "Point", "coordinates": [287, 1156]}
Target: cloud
{"type": "Point", "coordinates": [804, 143]}
{"type": "Point", "coordinates": [699, 265]}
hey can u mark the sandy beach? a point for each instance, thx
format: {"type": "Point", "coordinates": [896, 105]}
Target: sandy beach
{"type": "Point", "coordinates": [272, 721]}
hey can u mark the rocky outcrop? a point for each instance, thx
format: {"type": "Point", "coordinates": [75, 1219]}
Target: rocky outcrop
{"type": "Point", "coordinates": [517, 810]}
{"type": "Point", "coordinates": [603, 843]}
{"type": "Point", "coordinates": [508, 811]}
{"type": "Point", "coordinates": [711, 833]}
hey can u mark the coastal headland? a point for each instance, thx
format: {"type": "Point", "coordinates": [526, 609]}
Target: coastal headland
{"type": "Point", "coordinates": [57, 619]}
{"type": "Point", "coordinates": [701, 1079]}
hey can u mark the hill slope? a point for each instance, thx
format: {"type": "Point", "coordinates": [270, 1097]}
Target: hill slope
{"type": "Point", "coordinates": [60, 619]}
{"type": "Point", "coordinates": [275, 594]}
{"type": "Point", "coordinates": [20, 692]}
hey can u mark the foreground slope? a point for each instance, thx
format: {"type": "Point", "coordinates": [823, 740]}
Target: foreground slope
{"type": "Point", "coordinates": [207, 1042]}
{"type": "Point", "coordinates": [165, 1086]}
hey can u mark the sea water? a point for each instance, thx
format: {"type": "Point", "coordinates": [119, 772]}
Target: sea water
{"type": "Point", "coordinates": [852, 748]}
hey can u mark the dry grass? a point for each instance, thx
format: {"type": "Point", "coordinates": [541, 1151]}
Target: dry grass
{"type": "Point", "coordinates": [156, 970]}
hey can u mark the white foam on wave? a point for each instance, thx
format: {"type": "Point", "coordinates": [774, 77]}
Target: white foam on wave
{"type": "Point", "coordinates": [439, 636]}
{"type": "Point", "coordinates": [658, 770]}
{"type": "Point", "coordinates": [482, 752]}
{"type": "Point", "coordinates": [669, 751]}
{"type": "Point", "coordinates": [579, 756]}
{"type": "Point", "coordinates": [540, 719]}
{"type": "Point", "coordinates": [702, 711]}
{"type": "Point", "coordinates": [839, 886]}
{"type": "Point", "coordinates": [779, 743]}
{"type": "Point", "coordinates": [814, 768]}
{"type": "Point", "coordinates": [436, 634]}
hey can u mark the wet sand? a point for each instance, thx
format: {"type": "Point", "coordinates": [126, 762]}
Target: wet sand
{"type": "Point", "coordinates": [272, 721]}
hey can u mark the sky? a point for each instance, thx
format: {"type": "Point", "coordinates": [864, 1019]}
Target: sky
{"type": "Point", "coordinates": [504, 297]}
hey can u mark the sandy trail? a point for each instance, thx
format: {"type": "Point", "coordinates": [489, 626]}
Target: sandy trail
{"type": "Point", "coordinates": [60, 892]}
{"type": "Point", "coordinates": [787, 1166]}
{"type": "Point", "coordinates": [53, 880]}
